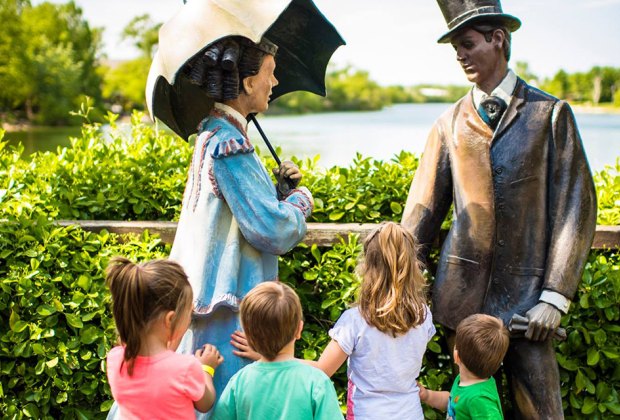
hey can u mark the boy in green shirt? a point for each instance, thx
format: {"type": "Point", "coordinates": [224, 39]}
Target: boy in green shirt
{"type": "Point", "coordinates": [276, 386]}
{"type": "Point", "coordinates": [480, 346]}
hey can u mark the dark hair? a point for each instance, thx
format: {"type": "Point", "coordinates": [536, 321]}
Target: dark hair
{"type": "Point", "coordinates": [222, 66]}
{"type": "Point", "coordinates": [482, 342]}
{"type": "Point", "coordinates": [141, 293]}
{"type": "Point", "coordinates": [391, 296]}
{"type": "Point", "coordinates": [270, 315]}
{"type": "Point", "coordinates": [487, 27]}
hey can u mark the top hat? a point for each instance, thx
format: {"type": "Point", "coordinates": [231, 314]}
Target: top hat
{"type": "Point", "coordinates": [461, 13]}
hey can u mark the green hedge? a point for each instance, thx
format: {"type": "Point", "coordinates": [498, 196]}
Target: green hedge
{"type": "Point", "coordinates": [55, 325]}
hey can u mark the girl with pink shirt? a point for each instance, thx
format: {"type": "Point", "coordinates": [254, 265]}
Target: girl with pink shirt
{"type": "Point", "coordinates": [152, 306]}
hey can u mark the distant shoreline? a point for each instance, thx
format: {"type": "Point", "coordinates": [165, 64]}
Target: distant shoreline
{"type": "Point", "coordinates": [577, 108]}
{"type": "Point", "coordinates": [594, 109]}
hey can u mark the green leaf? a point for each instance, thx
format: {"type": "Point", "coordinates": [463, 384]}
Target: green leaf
{"type": "Point", "coordinates": [46, 310]}
{"type": "Point", "coordinates": [106, 405]}
{"type": "Point", "coordinates": [16, 324]}
{"type": "Point", "coordinates": [62, 397]}
{"type": "Point", "coordinates": [309, 354]}
{"type": "Point", "coordinates": [31, 410]}
{"type": "Point", "coordinates": [593, 356]}
{"type": "Point", "coordinates": [336, 215]}
{"type": "Point", "coordinates": [614, 407]}
{"type": "Point", "coordinates": [74, 321]}
{"type": "Point", "coordinates": [396, 207]}
{"type": "Point", "coordinates": [84, 282]}
{"type": "Point", "coordinates": [31, 253]}
{"type": "Point", "coordinates": [434, 347]}
{"type": "Point", "coordinates": [89, 334]}
{"type": "Point", "coordinates": [52, 362]}
{"type": "Point", "coordinates": [580, 381]}
{"type": "Point", "coordinates": [589, 405]}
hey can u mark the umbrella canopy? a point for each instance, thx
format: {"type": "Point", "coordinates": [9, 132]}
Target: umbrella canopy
{"type": "Point", "coordinates": [306, 41]}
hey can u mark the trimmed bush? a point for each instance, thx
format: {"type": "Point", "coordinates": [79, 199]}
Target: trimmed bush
{"type": "Point", "coordinates": [55, 324]}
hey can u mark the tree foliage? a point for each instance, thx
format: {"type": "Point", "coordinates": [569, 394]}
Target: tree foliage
{"type": "Point", "coordinates": [599, 85]}
{"type": "Point", "coordinates": [51, 60]}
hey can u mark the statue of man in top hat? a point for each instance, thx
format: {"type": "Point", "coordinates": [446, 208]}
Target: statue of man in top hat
{"type": "Point", "coordinates": [510, 159]}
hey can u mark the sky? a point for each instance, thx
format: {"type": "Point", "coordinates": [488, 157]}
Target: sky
{"type": "Point", "coordinates": [395, 40]}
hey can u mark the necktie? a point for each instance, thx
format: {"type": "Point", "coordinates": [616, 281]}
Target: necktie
{"type": "Point", "coordinates": [491, 110]}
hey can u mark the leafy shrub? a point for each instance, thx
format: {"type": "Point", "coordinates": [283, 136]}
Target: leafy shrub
{"type": "Point", "coordinates": [56, 324]}
{"type": "Point", "coordinates": [55, 327]}
{"type": "Point", "coordinates": [608, 194]}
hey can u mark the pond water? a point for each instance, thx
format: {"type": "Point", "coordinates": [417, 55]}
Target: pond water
{"type": "Point", "coordinates": [337, 137]}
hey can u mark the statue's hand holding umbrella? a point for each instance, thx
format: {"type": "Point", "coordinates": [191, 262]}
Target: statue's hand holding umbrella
{"type": "Point", "coordinates": [305, 42]}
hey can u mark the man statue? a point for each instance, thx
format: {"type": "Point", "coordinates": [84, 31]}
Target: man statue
{"type": "Point", "coordinates": [510, 159]}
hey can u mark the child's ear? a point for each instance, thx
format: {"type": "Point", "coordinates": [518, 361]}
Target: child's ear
{"type": "Point", "coordinates": [455, 355]}
{"type": "Point", "coordinates": [299, 330]}
{"type": "Point", "coordinates": [169, 318]}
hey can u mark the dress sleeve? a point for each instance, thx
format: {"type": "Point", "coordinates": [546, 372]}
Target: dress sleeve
{"type": "Point", "coordinates": [572, 205]}
{"type": "Point", "coordinates": [225, 408]}
{"type": "Point", "coordinates": [345, 332]}
{"type": "Point", "coordinates": [325, 400]}
{"type": "Point", "coordinates": [268, 224]}
{"type": "Point", "coordinates": [194, 385]}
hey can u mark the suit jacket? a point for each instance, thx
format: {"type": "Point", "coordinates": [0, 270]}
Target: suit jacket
{"type": "Point", "coordinates": [524, 206]}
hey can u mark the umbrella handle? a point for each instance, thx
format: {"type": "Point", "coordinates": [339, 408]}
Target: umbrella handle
{"type": "Point", "coordinates": [262, 133]}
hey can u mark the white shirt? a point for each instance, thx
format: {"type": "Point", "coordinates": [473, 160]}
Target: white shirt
{"type": "Point", "coordinates": [382, 369]}
{"type": "Point", "coordinates": [504, 90]}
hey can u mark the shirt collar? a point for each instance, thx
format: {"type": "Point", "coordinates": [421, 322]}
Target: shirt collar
{"type": "Point", "coordinates": [236, 115]}
{"type": "Point", "coordinates": [504, 90]}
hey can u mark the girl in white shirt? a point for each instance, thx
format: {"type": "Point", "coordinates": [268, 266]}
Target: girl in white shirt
{"type": "Point", "coordinates": [385, 335]}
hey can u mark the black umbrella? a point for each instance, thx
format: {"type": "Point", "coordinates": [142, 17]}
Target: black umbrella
{"type": "Point", "coordinates": [306, 41]}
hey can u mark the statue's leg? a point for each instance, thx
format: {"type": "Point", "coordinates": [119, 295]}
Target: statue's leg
{"type": "Point", "coordinates": [534, 379]}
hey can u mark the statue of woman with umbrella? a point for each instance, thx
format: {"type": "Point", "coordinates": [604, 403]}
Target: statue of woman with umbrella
{"type": "Point", "coordinates": [215, 67]}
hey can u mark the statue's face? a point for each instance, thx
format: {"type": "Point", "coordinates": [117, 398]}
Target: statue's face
{"type": "Point", "coordinates": [479, 58]}
{"type": "Point", "coordinates": [260, 85]}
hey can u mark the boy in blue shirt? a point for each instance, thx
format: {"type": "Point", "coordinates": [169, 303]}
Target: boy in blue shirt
{"type": "Point", "coordinates": [480, 346]}
{"type": "Point", "coordinates": [276, 386]}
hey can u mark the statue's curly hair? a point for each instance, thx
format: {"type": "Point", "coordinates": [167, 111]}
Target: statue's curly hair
{"type": "Point", "coordinates": [220, 68]}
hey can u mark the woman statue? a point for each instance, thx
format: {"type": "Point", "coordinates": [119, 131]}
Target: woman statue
{"type": "Point", "coordinates": [234, 221]}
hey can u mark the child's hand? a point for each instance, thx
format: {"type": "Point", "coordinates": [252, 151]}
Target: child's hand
{"type": "Point", "coordinates": [423, 392]}
{"type": "Point", "coordinates": [209, 355]}
{"type": "Point", "coordinates": [241, 343]}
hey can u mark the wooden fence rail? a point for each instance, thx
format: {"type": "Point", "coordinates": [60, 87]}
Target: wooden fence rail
{"type": "Point", "coordinates": [322, 234]}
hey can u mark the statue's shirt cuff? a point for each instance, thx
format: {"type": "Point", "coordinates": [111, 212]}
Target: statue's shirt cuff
{"type": "Point", "coordinates": [556, 299]}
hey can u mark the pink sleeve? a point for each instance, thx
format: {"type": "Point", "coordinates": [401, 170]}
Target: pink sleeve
{"type": "Point", "coordinates": [194, 385]}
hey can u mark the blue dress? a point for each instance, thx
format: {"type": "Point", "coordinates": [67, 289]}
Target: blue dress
{"type": "Point", "coordinates": [231, 230]}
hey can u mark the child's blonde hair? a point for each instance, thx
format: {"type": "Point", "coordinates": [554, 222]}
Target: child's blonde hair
{"type": "Point", "coordinates": [391, 296]}
{"type": "Point", "coordinates": [140, 294]}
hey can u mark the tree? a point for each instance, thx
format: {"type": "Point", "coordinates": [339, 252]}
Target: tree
{"type": "Point", "coordinates": [52, 60]}
{"type": "Point", "coordinates": [124, 85]}
{"type": "Point", "coordinates": [144, 33]}
{"type": "Point", "coordinates": [522, 69]}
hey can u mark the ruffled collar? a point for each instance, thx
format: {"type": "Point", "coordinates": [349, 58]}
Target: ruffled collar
{"type": "Point", "coordinates": [232, 115]}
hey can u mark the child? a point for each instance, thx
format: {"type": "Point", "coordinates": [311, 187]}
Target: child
{"type": "Point", "coordinates": [152, 306]}
{"type": "Point", "coordinates": [277, 386]}
{"type": "Point", "coordinates": [385, 335]}
{"type": "Point", "coordinates": [480, 346]}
